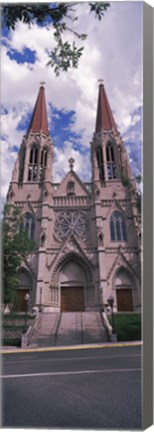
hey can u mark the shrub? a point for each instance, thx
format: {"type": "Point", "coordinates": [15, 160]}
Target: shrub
{"type": "Point", "coordinates": [127, 326]}
{"type": "Point", "coordinates": [11, 342]}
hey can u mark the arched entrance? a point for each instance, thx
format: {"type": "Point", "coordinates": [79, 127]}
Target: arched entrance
{"type": "Point", "coordinates": [72, 283]}
{"type": "Point", "coordinates": [123, 286]}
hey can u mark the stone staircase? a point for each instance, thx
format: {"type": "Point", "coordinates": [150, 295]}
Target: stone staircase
{"type": "Point", "coordinates": [45, 332]}
{"type": "Point", "coordinates": [69, 328]}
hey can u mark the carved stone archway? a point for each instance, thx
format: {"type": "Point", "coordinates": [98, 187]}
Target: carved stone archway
{"type": "Point", "coordinates": [124, 284]}
{"type": "Point", "coordinates": [72, 280]}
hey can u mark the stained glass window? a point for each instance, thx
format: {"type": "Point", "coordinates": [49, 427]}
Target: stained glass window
{"type": "Point", "coordinates": [118, 227]}
{"type": "Point", "coordinates": [71, 222]}
{"type": "Point", "coordinates": [28, 225]}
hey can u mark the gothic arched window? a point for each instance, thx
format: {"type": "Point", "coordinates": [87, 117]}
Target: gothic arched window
{"type": "Point", "coordinates": [28, 225]}
{"type": "Point", "coordinates": [100, 163]}
{"type": "Point", "coordinates": [71, 188]}
{"type": "Point", "coordinates": [118, 227]}
{"type": "Point", "coordinates": [111, 165]}
{"type": "Point", "coordinates": [33, 164]}
{"type": "Point", "coordinates": [43, 163]}
{"type": "Point", "coordinates": [21, 166]}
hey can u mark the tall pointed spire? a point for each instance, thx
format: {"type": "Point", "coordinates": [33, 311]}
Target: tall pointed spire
{"type": "Point", "coordinates": [104, 119]}
{"type": "Point", "coordinates": [39, 121]}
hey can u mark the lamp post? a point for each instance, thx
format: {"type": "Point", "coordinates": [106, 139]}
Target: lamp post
{"type": "Point", "coordinates": [40, 306]}
{"type": "Point", "coordinates": [111, 303]}
{"type": "Point", "coordinates": [27, 297]}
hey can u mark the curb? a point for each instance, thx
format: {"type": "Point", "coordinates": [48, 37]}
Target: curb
{"type": "Point", "coordinates": [11, 350]}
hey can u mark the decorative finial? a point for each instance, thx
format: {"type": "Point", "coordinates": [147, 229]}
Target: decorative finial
{"type": "Point", "coordinates": [101, 81]}
{"type": "Point", "coordinates": [42, 84]}
{"type": "Point", "coordinates": [71, 163]}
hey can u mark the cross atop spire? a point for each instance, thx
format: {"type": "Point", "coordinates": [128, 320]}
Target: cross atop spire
{"type": "Point", "coordinates": [104, 119]}
{"type": "Point", "coordinates": [101, 81]}
{"type": "Point", "coordinates": [39, 121]}
{"type": "Point", "coordinates": [71, 163]}
{"type": "Point", "coordinates": [42, 83]}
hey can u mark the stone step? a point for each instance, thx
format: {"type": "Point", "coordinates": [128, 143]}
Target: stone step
{"type": "Point", "coordinates": [93, 330]}
{"type": "Point", "coordinates": [69, 328]}
{"type": "Point", "coordinates": [44, 334]}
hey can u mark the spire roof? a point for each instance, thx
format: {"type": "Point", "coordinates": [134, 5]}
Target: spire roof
{"type": "Point", "coordinates": [39, 121]}
{"type": "Point", "coordinates": [104, 119]}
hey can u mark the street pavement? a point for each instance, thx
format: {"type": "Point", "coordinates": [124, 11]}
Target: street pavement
{"type": "Point", "coordinates": [86, 388]}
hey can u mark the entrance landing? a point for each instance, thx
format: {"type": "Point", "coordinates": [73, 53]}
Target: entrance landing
{"type": "Point", "coordinates": [69, 328]}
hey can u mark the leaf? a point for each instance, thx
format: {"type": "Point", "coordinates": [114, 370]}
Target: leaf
{"type": "Point", "coordinates": [63, 55]}
{"type": "Point", "coordinates": [16, 248]}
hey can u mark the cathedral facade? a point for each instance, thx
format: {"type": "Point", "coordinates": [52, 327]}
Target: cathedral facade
{"type": "Point", "coordinates": [87, 234]}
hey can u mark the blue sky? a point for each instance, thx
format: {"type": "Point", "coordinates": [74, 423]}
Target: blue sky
{"type": "Point", "coordinates": [113, 51]}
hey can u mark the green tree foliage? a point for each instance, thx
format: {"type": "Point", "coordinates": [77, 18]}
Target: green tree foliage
{"type": "Point", "coordinates": [16, 248]}
{"type": "Point", "coordinates": [66, 54]}
{"type": "Point", "coordinates": [126, 181]}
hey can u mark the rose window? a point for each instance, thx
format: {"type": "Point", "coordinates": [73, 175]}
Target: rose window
{"type": "Point", "coordinates": [71, 222]}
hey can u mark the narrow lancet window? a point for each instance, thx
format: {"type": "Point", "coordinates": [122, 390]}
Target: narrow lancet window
{"type": "Point", "coordinates": [33, 164]}
{"type": "Point", "coordinates": [28, 225]}
{"type": "Point", "coordinates": [71, 188]}
{"type": "Point", "coordinates": [43, 164]}
{"type": "Point", "coordinates": [100, 163]}
{"type": "Point", "coordinates": [118, 227]}
{"type": "Point", "coordinates": [21, 166]}
{"type": "Point", "coordinates": [111, 165]}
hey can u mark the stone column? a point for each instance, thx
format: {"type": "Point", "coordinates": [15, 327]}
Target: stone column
{"type": "Point", "coordinates": [15, 174]}
{"type": "Point", "coordinates": [102, 272]}
{"type": "Point", "coordinates": [48, 175]}
{"type": "Point", "coordinates": [41, 276]}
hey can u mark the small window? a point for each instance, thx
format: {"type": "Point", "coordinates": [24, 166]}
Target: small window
{"type": "Point", "coordinates": [117, 227]}
{"type": "Point", "coordinates": [71, 188]}
{"type": "Point", "coordinates": [43, 164]}
{"type": "Point", "coordinates": [44, 158]}
{"type": "Point", "coordinates": [21, 166]}
{"type": "Point", "coordinates": [112, 230]}
{"type": "Point", "coordinates": [100, 163]}
{"type": "Point", "coordinates": [111, 165]}
{"type": "Point", "coordinates": [28, 225]}
{"type": "Point", "coordinates": [33, 162]}
{"type": "Point", "coordinates": [33, 155]}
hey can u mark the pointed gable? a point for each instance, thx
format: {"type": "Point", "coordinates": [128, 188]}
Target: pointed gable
{"type": "Point", "coordinates": [79, 187]}
{"type": "Point", "coordinates": [39, 121]}
{"type": "Point", "coordinates": [104, 119]}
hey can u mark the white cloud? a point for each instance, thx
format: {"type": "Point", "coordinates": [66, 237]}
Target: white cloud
{"type": "Point", "coordinates": [113, 51]}
{"type": "Point", "coordinates": [8, 158]}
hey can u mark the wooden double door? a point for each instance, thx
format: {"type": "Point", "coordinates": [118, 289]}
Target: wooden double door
{"type": "Point", "coordinates": [124, 300]}
{"type": "Point", "coordinates": [21, 303]}
{"type": "Point", "coordinates": [72, 299]}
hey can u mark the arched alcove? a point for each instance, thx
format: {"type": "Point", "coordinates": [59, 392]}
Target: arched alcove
{"type": "Point", "coordinates": [124, 283]}
{"type": "Point", "coordinates": [71, 272]}
{"type": "Point", "coordinates": [72, 282]}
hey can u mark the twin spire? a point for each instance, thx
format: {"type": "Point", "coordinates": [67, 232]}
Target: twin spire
{"type": "Point", "coordinates": [39, 120]}
{"type": "Point", "coordinates": [104, 118]}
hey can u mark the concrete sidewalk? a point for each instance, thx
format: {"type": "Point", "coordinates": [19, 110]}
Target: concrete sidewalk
{"type": "Point", "coordinates": [31, 348]}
